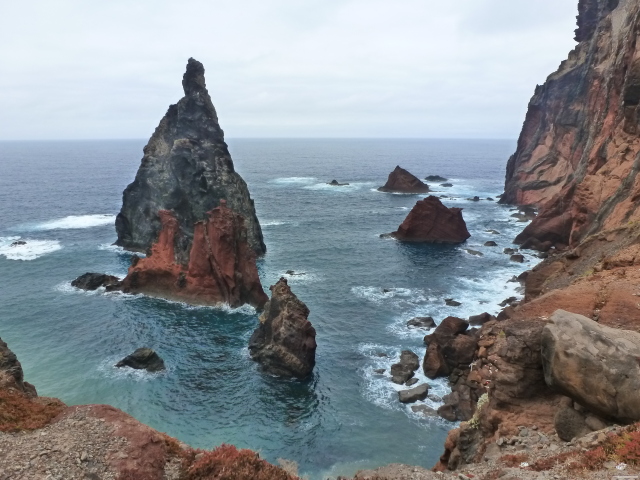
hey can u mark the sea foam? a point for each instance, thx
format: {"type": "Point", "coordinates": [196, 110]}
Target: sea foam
{"type": "Point", "coordinates": [76, 222]}
{"type": "Point", "coordinates": [31, 250]}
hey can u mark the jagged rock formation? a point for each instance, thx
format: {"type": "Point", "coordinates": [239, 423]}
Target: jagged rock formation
{"type": "Point", "coordinates": [11, 374]}
{"type": "Point", "coordinates": [143, 359]}
{"type": "Point", "coordinates": [401, 181]}
{"type": "Point", "coordinates": [429, 221]}
{"type": "Point", "coordinates": [596, 365]}
{"type": "Point", "coordinates": [577, 156]}
{"type": "Point", "coordinates": [186, 169]}
{"type": "Point", "coordinates": [93, 281]}
{"type": "Point", "coordinates": [285, 341]}
{"type": "Point", "coordinates": [221, 265]}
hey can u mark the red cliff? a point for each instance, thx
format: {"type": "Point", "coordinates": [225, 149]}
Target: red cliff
{"type": "Point", "coordinates": [401, 181]}
{"type": "Point", "coordinates": [431, 222]}
{"type": "Point", "coordinates": [577, 155]}
{"type": "Point", "coordinates": [221, 267]}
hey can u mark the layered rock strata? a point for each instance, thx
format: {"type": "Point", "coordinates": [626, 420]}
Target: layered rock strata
{"type": "Point", "coordinates": [221, 266]}
{"type": "Point", "coordinates": [577, 155]}
{"type": "Point", "coordinates": [285, 341]}
{"type": "Point", "coordinates": [402, 181]}
{"type": "Point", "coordinates": [429, 221]}
{"type": "Point", "coordinates": [187, 169]}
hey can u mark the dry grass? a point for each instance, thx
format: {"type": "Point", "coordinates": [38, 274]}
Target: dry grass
{"type": "Point", "coordinates": [19, 412]}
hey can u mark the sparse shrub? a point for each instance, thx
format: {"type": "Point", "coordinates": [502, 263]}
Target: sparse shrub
{"type": "Point", "coordinates": [226, 462]}
{"type": "Point", "coordinates": [548, 463]}
{"type": "Point", "coordinates": [19, 412]}
{"type": "Point", "coordinates": [512, 461]}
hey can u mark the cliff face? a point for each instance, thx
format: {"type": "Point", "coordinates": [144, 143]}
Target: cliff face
{"type": "Point", "coordinates": [577, 155]}
{"type": "Point", "coordinates": [221, 266]}
{"type": "Point", "coordinates": [187, 169]}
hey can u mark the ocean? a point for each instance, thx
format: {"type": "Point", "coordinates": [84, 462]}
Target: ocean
{"type": "Point", "coordinates": [62, 197]}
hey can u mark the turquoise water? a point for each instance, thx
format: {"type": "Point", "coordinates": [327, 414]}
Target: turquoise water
{"type": "Point", "coordinates": [62, 198]}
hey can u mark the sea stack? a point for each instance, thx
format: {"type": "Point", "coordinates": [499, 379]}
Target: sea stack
{"type": "Point", "coordinates": [186, 169]}
{"type": "Point", "coordinates": [285, 341]}
{"type": "Point", "coordinates": [429, 221]}
{"type": "Point", "coordinates": [401, 181]}
{"type": "Point", "coordinates": [221, 266]}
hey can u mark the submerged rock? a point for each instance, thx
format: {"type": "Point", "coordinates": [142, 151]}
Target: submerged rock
{"type": "Point", "coordinates": [285, 341]}
{"type": "Point", "coordinates": [431, 222]}
{"type": "Point", "coordinates": [435, 178]}
{"type": "Point", "coordinates": [450, 302]}
{"type": "Point", "coordinates": [490, 243]}
{"type": "Point", "coordinates": [93, 281]}
{"type": "Point", "coordinates": [143, 359]}
{"type": "Point", "coordinates": [422, 322]}
{"type": "Point", "coordinates": [186, 169]}
{"type": "Point", "coordinates": [446, 184]}
{"type": "Point", "coordinates": [335, 183]}
{"type": "Point", "coordinates": [221, 266]}
{"type": "Point", "coordinates": [18, 243]}
{"type": "Point", "coordinates": [401, 181]}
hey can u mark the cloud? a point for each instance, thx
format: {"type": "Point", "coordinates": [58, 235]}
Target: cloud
{"type": "Point", "coordinates": [74, 69]}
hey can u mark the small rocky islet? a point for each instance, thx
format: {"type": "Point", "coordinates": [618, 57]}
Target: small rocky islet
{"type": "Point", "coordinates": [538, 389]}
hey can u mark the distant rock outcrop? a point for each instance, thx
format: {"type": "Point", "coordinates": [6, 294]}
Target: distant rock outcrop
{"type": "Point", "coordinates": [431, 222]}
{"type": "Point", "coordinates": [143, 359]}
{"type": "Point", "coordinates": [186, 169]}
{"type": "Point", "coordinates": [221, 266]}
{"type": "Point", "coordinates": [285, 341]}
{"type": "Point", "coordinates": [93, 281]}
{"type": "Point", "coordinates": [401, 181]}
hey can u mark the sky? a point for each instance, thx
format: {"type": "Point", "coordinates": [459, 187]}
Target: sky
{"type": "Point", "coordinates": [80, 69]}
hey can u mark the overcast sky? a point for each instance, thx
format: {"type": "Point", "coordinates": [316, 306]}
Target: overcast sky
{"type": "Point", "coordinates": [80, 69]}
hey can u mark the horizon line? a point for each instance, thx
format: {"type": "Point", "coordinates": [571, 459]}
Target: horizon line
{"type": "Point", "coordinates": [258, 138]}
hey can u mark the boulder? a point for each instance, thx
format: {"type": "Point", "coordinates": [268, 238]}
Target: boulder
{"type": "Point", "coordinates": [449, 347]}
{"type": "Point", "coordinates": [490, 243]}
{"type": "Point", "coordinates": [595, 365]}
{"type": "Point", "coordinates": [422, 322]}
{"type": "Point", "coordinates": [335, 183]}
{"type": "Point", "coordinates": [93, 281]}
{"type": "Point", "coordinates": [431, 222]}
{"type": "Point", "coordinates": [285, 341]}
{"type": "Point", "coordinates": [450, 302]}
{"type": "Point", "coordinates": [143, 359]}
{"type": "Point", "coordinates": [446, 185]}
{"type": "Point", "coordinates": [481, 319]}
{"type": "Point", "coordinates": [403, 370]}
{"type": "Point", "coordinates": [401, 181]}
{"type": "Point", "coordinates": [435, 178]}
{"type": "Point", "coordinates": [411, 382]}
{"type": "Point", "coordinates": [518, 258]}
{"type": "Point", "coordinates": [221, 268]}
{"type": "Point", "coordinates": [434, 364]}
{"type": "Point", "coordinates": [475, 253]}
{"type": "Point", "coordinates": [187, 169]}
{"type": "Point", "coordinates": [424, 410]}
{"type": "Point", "coordinates": [417, 393]}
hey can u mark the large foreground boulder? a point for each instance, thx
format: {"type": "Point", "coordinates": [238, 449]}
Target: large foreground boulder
{"type": "Point", "coordinates": [431, 222]}
{"type": "Point", "coordinates": [285, 341]}
{"type": "Point", "coordinates": [401, 181]}
{"type": "Point", "coordinates": [597, 366]}
{"type": "Point", "coordinates": [221, 266]}
{"type": "Point", "coordinates": [187, 169]}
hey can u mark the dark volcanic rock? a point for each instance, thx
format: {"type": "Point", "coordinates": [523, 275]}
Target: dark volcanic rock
{"type": "Point", "coordinates": [93, 281]}
{"type": "Point", "coordinates": [143, 359]}
{"type": "Point", "coordinates": [431, 222]}
{"type": "Point", "coordinates": [490, 243]}
{"type": "Point", "coordinates": [446, 184]}
{"type": "Point", "coordinates": [404, 370]}
{"type": "Point", "coordinates": [481, 319]}
{"type": "Point", "coordinates": [450, 302]}
{"type": "Point", "coordinates": [411, 396]}
{"type": "Point", "coordinates": [11, 374]}
{"type": "Point", "coordinates": [450, 346]}
{"type": "Point", "coordinates": [187, 169]}
{"type": "Point", "coordinates": [17, 243]}
{"type": "Point", "coordinates": [401, 181]}
{"type": "Point", "coordinates": [335, 183]}
{"type": "Point", "coordinates": [221, 266]}
{"type": "Point", "coordinates": [435, 178]}
{"type": "Point", "coordinates": [422, 322]}
{"type": "Point", "coordinates": [285, 341]}
{"type": "Point", "coordinates": [517, 257]}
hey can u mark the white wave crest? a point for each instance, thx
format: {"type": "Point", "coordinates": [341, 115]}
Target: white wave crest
{"type": "Point", "coordinates": [294, 180]}
{"type": "Point", "coordinates": [379, 294]}
{"type": "Point", "coordinates": [30, 250]}
{"type": "Point", "coordinates": [272, 223]}
{"type": "Point", "coordinates": [76, 222]}
{"type": "Point", "coordinates": [324, 186]}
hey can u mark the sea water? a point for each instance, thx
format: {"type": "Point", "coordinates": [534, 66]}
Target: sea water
{"type": "Point", "coordinates": [62, 198]}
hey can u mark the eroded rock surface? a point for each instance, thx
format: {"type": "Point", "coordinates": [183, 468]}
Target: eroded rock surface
{"type": "Point", "coordinates": [186, 169]}
{"type": "Point", "coordinates": [143, 359]}
{"type": "Point", "coordinates": [593, 364]}
{"type": "Point", "coordinates": [11, 374]}
{"type": "Point", "coordinates": [402, 181]}
{"type": "Point", "coordinates": [285, 341]}
{"type": "Point", "coordinates": [429, 221]}
{"type": "Point", "coordinates": [221, 266]}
